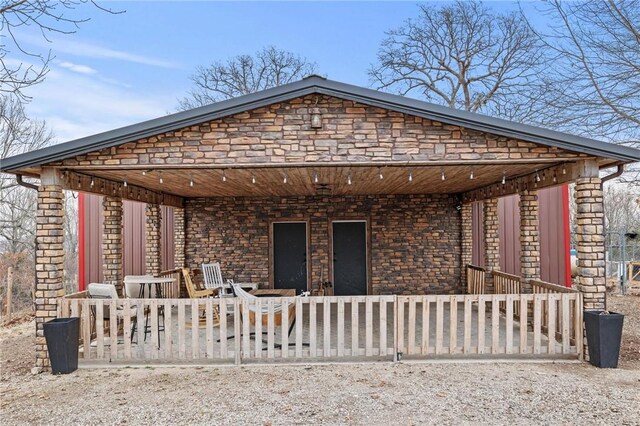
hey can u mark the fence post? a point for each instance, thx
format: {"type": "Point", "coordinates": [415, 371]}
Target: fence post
{"type": "Point", "coordinates": [9, 291]}
{"type": "Point", "coordinates": [395, 329]}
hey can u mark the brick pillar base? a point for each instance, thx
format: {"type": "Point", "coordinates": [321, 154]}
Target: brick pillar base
{"type": "Point", "coordinates": [49, 263]}
{"type": "Point", "coordinates": [112, 242]}
{"type": "Point", "coordinates": [529, 238]}
{"type": "Point", "coordinates": [491, 241]}
{"type": "Point", "coordinates": [153, 223]}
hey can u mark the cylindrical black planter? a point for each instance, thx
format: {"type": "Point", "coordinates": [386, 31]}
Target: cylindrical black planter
{"type": "Point", "coordinates": [62, 335]}
{"type": "Point", "coordinates": [604, 334]}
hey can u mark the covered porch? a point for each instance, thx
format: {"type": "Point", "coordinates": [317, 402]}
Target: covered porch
{"type": "Point", "coordinates": [319, 153]}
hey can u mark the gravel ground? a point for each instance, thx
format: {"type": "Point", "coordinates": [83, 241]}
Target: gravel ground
{"type": "Point", "coordinates": [461, 393]}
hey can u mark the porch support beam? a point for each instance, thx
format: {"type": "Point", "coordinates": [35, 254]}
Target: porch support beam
{"type": "Point", "coordinates": [543, 178]}
{"type": "Point", "coordinates": [153, 229]}
{"type": "Point", "coordinates": [95, 185]}
{"type": "Point", "coordinates": [467, 241]}
{"type": "Point", "coordinates": [179, 237]}
{"type": "Point", "coordinates": [49, 258]}
{"type": "Point", "coordinates": [529, 238]}
{"type": "Point", "coordinates": [491, 241]}
{"type": "Point", "coordinates": [112, 242]}
{"type": "Point", "coordinates": [590, 237]}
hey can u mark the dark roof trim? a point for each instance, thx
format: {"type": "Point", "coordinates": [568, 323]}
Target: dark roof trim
{"type": "Point", "coordinates": [310, 85]}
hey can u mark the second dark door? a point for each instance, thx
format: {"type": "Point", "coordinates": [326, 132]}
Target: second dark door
{"type": "Point", "coordinates": [290, 255]}
{"type": "Point", "coordinates": [349, 258]}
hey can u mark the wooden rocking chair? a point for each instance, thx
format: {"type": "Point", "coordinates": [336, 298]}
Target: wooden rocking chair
{"type": "Point", "coordinates": [195, 293]}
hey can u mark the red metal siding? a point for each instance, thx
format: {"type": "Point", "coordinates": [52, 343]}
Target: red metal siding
{"type": "Point", "coordinates": [90, 212]}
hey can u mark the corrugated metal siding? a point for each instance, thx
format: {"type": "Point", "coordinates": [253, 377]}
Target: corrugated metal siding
{"type": "Point", "coordinates": [509, 234]}
{"type": "Point", "coordinates": [477, 214]}
{"type": "Point", "coordinates": [134, 238]}
{"type": "Point", "coordinates": [552, 234]}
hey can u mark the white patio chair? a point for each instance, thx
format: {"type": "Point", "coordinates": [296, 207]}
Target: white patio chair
{"type": "Point", "coordinates": [213, 279]}
{"type": "Point", "coordinates": [108, 291]}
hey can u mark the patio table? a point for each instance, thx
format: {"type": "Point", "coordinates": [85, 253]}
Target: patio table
{"type": "Point", "coordinates": [149, 280]}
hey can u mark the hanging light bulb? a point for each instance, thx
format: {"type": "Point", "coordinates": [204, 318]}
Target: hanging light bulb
{"type": "Point", "coordinates": [253, 179]}
{"type": "Point", "coordinates": [443, 177]}
{"type": "Point", "coordinates": [125, 182]}
{"type": "Point", "coordinates": [286, 177]}
{"type": "Point", "coordinates": [471, 175]}
{"type": "Point", "coordinates": [191, 180]}
{"type": "Point", "coordinates": [161, 180]}
{"type": "Point", "coordinates": [504, 178]}
{"type": "Point", "coordinates": [380, 173]}
{"type": "Point", "coordinates": [555, 179]}
{"type": "Point", "coordinates": [537, 177]}
{"type": "Point", "coordinates": [144, 173]}
{"type": "Point", "coordinates": [224, 176]}
{"type": "Point", "coordinates": [315, 177]}
{"type": "Point", "coordinates": [349, 179]}
{"type": "Point", "coordinates": [410, 176]}
{"type": "Point", "coordinates": [93, 182]}
{"type": "Point", "coordinates": [79, 182]}
{"type": "Point", "coordinates": [564, 170]}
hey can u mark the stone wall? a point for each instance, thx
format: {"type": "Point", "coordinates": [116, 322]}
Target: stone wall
{"type": "Point", "coordinates": [491, 240]}
{"type": "Point", "coordinates": [112, 242]}
{"type": "Point", "coordinates": [153, 264]}
{"type": "Point", "coordinates": [350, 132]}
{"type": "Point", "coordinates": [414, 239]}
{"type": "Point", "coordinates": [529, 238]}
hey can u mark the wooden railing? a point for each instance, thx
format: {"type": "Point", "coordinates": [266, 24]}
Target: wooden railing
{"type": "Point", "coordinates": [325, 328]}
{"type": "Point", "coordinates": [541, 287]}
{"type": "Point", "coordinates": [475, 279]}
{"type": "Point", "coordinates": [172, 290]}
{"type": "Point", "coordinates": [506, 283]}
{"type": "Point", "coordinates": [473, 324]}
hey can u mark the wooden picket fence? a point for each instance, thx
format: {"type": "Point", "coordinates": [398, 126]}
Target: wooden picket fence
{"type": "Point", "coordinates": [323, 328]}
{"type": "Point", "coordinates": [475, 279]}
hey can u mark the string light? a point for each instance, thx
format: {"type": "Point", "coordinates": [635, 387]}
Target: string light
{"type": "Point", "coordinates": [224, 176]}
{"type": "Point", "coordinates": [93, 182]}
{"type": "Point", "coordinates": [555, 179]}
{"type": "Point", "coordinates": [564, 170]}
{"type": "Point", "coordinates": [79, 182]}
{"type": "Point", "coordinates": [161, 180]}
{"type": "Point", "coordinates": [471, 175]}
{"type": "Point", "coordinates": [380, 173]}
{"type": "Point", "coordinates": [191, 180]}
{"type": "Point", "coordinates": [349, 179]}
{"type": "Point", "coordinates": [504, 178]}
{"type": "Point", "coordinates": [315, 177]}
{"type": "Point", "coordinates": [125, 181]}
{"type": "Point", "coordinates": [443, 177]}
{"type": "Point", "coordinates": [286, 177]}
{"type": "Point", "coordinates": [410, 176]}
{"type": "Point", "coordinates": [537, 177]}
{"type": "Point", "coordinates": [144, 173]}
{"type": "Point", "coordinates": [253, 179]}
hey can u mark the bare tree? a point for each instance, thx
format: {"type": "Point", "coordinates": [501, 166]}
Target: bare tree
{"type": "Point", "coordinates": [622, 213]}
{"type": "Point", "coordinates": [244, 74]}
{"type": "Point", "coordinates": [594, 81]}
{"type": "Point", "coordinates": [463, 56]}
{"type": "Point", "coordinates": [49, 16]}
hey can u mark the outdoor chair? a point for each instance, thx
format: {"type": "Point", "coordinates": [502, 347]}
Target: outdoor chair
{"type": "Point", "coordinates": [108, 291]}
{"type": "Point", "coordinates": [195, 293]}
{"type": "Point", "coordinates": [213, 279]}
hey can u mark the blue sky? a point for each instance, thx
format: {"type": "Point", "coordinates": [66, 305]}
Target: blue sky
{"type": "Point", "coordinates": [125, 68]}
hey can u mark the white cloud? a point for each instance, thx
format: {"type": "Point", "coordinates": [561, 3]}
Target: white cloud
{"type": "Point", "coordinates": [75, 105]}
{"type": "Point", "coordinates": [82, 69]}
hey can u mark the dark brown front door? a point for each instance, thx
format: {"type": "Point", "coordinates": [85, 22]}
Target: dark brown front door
{"type": "Point", "coordinates": [290, 255]}
{"type": "Point", "coordinates": [349, 258]}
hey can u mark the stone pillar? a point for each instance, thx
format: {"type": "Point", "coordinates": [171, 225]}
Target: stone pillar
{"type": "Point", "coordinates": [491, 240]}
{"type": "Point", "coordinates": [112, 242]}
{"type": "Point", "coordinates": [179, 237]}
{"type": "Point", "coordinates": [529, 238]}
{"type": "Point", "coordinates": [153, 223]}
{"type": "Point", "coordinates": [49, 262]}
{"type": "Point", "coordinates": [590, 238]}
{"type": "Point", "coordinates": [467, 240]}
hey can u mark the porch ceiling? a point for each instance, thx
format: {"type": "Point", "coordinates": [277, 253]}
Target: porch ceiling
{"type": "Point", "coordinates": [269, 181]}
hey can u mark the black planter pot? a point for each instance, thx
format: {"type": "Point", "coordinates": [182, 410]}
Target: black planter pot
{"type": "Point", "coordinates": [604, 333]}
{"type": "Point", "coordinates": [62, 335]}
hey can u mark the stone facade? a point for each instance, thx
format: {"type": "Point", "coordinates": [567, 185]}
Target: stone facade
{"type": "Point", "coordinates": [491, 240]}
{"type": "Point", "coordinates": [414, 239]}
{"type": "Point", "coordinates": [466, 226]}
{"type": "Point", "coordinates": [529, 238]}
{"type": "Point", "coordinates": [112, 242]}
{"type": "Point", "coordinates": [351, 132]}
{"type": "Point", "coordinates": [153, 264]}
{"type": "Point", "coordinates": [49, 263]}
{"type": "Point", "coordinates": [590, 239]}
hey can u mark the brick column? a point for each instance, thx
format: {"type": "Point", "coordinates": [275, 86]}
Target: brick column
{"type": "Point", "coordinates": [179, 237]}
{"type": "Point", "coordinates": [491, 240]}
{"type": "Point", "coordinates": [529, 238]}
{"type": "Point", "coordinates": [112, 242]}
{"type": "Point", "coordinates": [467, 240]}
{"type": "Point", "coordinates": [590, 237]}
{"type": "Point", "coordinates": [49, 263]}
{"type": "Point", "coordinates": [153, 222]}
